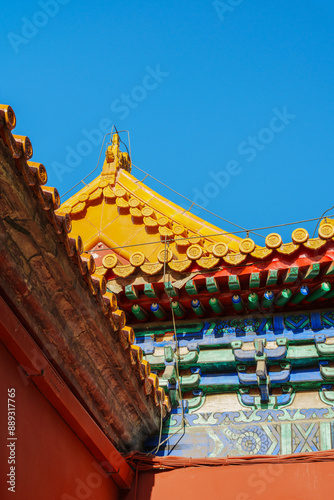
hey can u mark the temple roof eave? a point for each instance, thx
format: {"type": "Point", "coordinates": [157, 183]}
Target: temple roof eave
{"type": "Point", "coordinates": [65, 306]}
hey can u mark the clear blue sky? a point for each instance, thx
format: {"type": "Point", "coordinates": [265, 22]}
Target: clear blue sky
{"type": "Point", "coordinates": [230, 103]}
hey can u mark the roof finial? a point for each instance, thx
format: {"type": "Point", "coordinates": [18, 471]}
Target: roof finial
{"type": "Point", "coordinates": [115, 159]}
{"type": "Point", "coordinates": [115, 139]}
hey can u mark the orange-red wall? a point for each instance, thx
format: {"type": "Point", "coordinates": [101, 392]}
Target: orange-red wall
{"type": "Point", "coordinates": [51, 462]}
{"type": "Point", "coordinates": [251, 482]}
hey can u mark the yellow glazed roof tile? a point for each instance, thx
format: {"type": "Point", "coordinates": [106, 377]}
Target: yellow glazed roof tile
{"type": "Point", "coordinates": [125, 214]}
{"type": "Point", "coordinates": [173, 211]}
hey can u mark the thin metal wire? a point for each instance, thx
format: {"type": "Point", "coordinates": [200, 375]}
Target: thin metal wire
{"type": "Point", "coordinates": [90, 173]}
{"type": "Point", "coordinates": [165, 440]}
{"type": "Point", "coordinates": [175, 334]}
{"type": "Point", "coordinates": [177, 367]}
{"type": "Point", "coordinates": [191, 206]}
{"type": "Point", "coordinates": [156, 449]}
{"type": "Point", "coordinates": [192, 202]}
{"type": "Point", "coordinates": [210, 235]}
{"type": "Point", "coordinates": [161, 424]}
{"type": "Point", "coordinates": [164, 280]}
{"type": "Point", "coordinates": [325, 212]}
{"type": "Point", "coordinates": [98, 161]}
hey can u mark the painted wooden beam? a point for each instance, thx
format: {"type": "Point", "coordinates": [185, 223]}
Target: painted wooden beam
{"type": "Point", "coordinates": [254, 280]}
{"type": "Point", "coordinates": [267, 299]}
{"type": "Point", "coordinates": [191, 288]}
{"type": "Point", "coordinates": [130, 292]}
{"type": "Point", "coordinates": [272, 277]}
{"type": "Point", "coordinates": [178, 309]}
{"type": "Point", "coordinates": [253, 301]}
{"type": "Point", "coordinates": [329, 295]}
{"type": "Point", "coordinates": [312, 271]}
{"type": "Point", "coordinates": [320, 291]}
{"type": "Point", "coordinates": [216, 305]}
{"type": "Point", "coordinates": [237, 303]}
{"type": "Point", "coordinates": [291, 275]}
{"type": "Point", "coordinates": [149, 290]}
{"type": "Point", "coordinates": [170, 290]}
{"type": "Point", "coordinates": [211, 285]}
{"type": "Point", "coordinates": [197, 307]}
{"type": "Point", "coordinates": [300, 295]}
{"type": "Point", "coordinates": [330, 270]}
{"type": "Point", "coordinates": [158, 311]}
{"type": "Point", "coordinates": [233, 282]}
{"type": "Point", "coordinates": [283, 297]}
{"type": "Point", "coordinates": [139, 312]}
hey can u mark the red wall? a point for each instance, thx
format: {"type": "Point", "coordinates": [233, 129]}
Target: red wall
{"type": "Point", "coordinates": [251, 482]}
{"type": "Point", "coordinates": [51, 462]}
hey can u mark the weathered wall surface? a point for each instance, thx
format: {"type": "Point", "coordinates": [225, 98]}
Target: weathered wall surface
{"type": "Point", "coordinates": [53, 300]}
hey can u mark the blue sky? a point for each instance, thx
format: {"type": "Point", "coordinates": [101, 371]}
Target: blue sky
{"type": "Point", "coordinates": [228, 102]}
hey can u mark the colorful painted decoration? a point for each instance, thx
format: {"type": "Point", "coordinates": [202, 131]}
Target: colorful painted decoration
{"type": "Point", "coordinates": [221, 321]}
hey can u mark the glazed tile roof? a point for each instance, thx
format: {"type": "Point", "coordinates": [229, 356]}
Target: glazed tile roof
{"type": "Point", "coordinates": [117, 212]}
{"type": "Point", "coordinates": [122, 213]}
{"type": "Point", "coordinates": [35, 176]}
{"type": "Point", "coordinates": [140, 241]}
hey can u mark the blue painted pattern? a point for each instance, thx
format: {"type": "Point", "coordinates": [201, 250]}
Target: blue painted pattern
{"type": "Point", "coordinates": [254, 432]}
{"type": "Point", "coordinates": [293, 327]}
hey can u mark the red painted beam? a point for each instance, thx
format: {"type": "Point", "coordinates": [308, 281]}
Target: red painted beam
{"type": "Point", "coordinates": [35, 364]}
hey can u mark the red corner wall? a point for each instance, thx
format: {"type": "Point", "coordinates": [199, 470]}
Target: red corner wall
{"type": "Point", "coordinates": [51, 462]}
{"type": "Point", "coordinates": [308, 481]}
